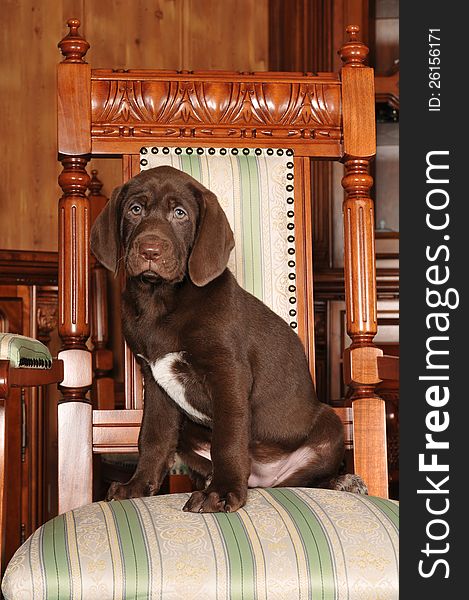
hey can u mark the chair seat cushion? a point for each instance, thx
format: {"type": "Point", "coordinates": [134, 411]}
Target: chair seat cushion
{"type": "Point", "coordinates": [285, 543]}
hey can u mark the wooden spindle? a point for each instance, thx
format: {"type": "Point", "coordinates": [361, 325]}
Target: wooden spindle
{"type": "Point", "coordinates": [99, 313]}
{"type": "Point", "coordinates": [360, 366]}
{"type": "Point", "coordinates": [102, 392]}
{"type": "Point", "coordinates": [74, 412]}
{"type": "Point", "coordinates": [74, 146]}
{"type": "Point", "coordinates": [74, 224]}
{"type": "Point", "coordinates": [360, 359]}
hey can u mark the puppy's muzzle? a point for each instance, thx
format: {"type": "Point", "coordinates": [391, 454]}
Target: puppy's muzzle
{"type": "Point", "coordinates": [154, 257]}
{"type": "Point", "coordinates": [152, 249]}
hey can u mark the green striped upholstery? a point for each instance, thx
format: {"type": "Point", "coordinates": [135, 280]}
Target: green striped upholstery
{"type": "Point", "coordinates": [255, 189]}
{"type": "Point", "coordinates": [24, 351]}
{"type": "Point", "coordinates": [285, 543]}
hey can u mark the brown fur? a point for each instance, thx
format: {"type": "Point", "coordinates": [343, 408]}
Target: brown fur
{"type": "Point", "coordinates": [246, 369]}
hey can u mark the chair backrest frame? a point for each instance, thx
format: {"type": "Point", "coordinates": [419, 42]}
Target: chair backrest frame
{"type": "Point", "coordinates": [319, 116]}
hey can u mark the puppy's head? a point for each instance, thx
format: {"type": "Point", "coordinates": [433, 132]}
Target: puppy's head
{"type": "Point", "coordinates": [163, 224]}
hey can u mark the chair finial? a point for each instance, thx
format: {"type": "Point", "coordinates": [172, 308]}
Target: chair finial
{"type": "Point", "coordinates": [354, 52]}
{"type": "Point", "coordinates": [95, 183]}
{"type": "Point", "coordinates": [73, 46]}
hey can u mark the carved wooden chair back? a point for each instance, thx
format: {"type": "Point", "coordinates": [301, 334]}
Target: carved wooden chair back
{"type": "Point", "coordinates": [313, 116]}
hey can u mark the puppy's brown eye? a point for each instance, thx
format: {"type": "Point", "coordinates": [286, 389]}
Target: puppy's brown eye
{"type": "Point", "coordinates": [180, 213]}
{"type": "Point", "coordinates": [135, 209]}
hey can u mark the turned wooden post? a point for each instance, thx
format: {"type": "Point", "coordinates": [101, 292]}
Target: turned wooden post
{"type": "Point", "coordinates": [102, 392]}
{"type": "Point", "coordinates": [360, 359]}
{"type": "Point", "coordinates": [74, 145]}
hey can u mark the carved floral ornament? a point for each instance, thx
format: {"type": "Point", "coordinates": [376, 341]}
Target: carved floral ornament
{"type": "Point", "coordinates": [136, 107]}
{"type": "Point", "coordinates": [47, 317]}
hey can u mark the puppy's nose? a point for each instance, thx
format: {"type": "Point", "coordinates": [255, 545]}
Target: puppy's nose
{"type": "Point", "coordinates": [151, 250]}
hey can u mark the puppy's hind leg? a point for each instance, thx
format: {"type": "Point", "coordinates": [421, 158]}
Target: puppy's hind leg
{"type": "Point", "coordinates": [324, 469]}
{"type": "Point", "coordinates": [200, 467]}
{"type": "Point", "coordinates": [199, 482]}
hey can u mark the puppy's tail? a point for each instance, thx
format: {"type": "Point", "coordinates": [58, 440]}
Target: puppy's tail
{"type": "Point", "coordinates": [348, 483]}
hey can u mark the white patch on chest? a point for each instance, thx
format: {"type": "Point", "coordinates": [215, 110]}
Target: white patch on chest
{"type": "Point", "coordinates": [172, 382]}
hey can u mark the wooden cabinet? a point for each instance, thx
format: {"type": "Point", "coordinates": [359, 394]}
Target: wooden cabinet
{"type": "Point", "coordinates": [385, 56]}
{"type": "Point", "coordinates": [28, 306]}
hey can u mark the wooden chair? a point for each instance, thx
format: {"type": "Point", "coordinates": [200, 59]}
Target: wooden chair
{"type": "Point", "coordinates": [324, 116]}
{"type": "Point", "coordinates": [12, 382]}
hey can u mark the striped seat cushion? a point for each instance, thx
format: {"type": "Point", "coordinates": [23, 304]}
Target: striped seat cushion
{"type": "Point", "coordinates": [285, 543]}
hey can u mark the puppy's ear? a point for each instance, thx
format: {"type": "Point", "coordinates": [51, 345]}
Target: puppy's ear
{"type": "Point", "coordinates": [213, 239]}
{"type": "Point", "coordinates": [105, 232]}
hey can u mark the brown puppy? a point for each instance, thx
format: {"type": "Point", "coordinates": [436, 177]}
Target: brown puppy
{"type": "Point", "coordinates": [227, 384]}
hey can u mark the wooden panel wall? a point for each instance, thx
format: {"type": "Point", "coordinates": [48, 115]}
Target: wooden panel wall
{"type": "Point", "coordinates": [170, 34]}
{"type": "Point", "coordinates": [311, 49]}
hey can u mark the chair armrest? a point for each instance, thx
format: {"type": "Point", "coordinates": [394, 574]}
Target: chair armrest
{"type": "Point", "coordinates": [28, 377]}
{"type": "Point", "coordinates": [388, 367]}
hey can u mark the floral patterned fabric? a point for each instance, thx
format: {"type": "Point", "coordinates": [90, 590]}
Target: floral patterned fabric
{"type": "Point", "coordinates": [286, 543]}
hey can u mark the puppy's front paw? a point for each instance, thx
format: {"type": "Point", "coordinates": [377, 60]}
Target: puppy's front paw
{"type": "Point", "coordinates": [215, 499]}
{"type": "Point", "coordinates": [132, 489]}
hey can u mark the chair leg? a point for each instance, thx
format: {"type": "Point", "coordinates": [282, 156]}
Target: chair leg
{"type": "Point", "coordinates": [369, 443]}
{"type": "Point", "coordinates": [74, 440]}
